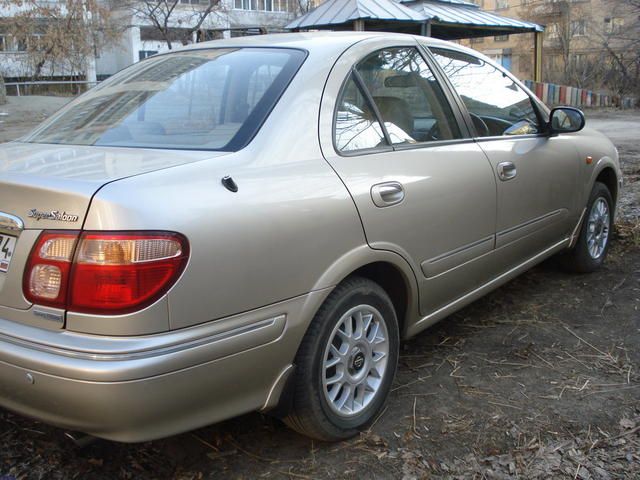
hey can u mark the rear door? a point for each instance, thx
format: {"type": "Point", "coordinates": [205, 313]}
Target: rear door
{"type": "Point", "coordinates": [537, 175]}
{"type": "Point", "coordinates": [422, 188]}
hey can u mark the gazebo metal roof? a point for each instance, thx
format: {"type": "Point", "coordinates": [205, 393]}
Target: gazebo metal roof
{"type": "Point", "coordinates": [340, 12]}
{"type": "Point", "coordinates": [447, 19]}
{"type": "Point", "coordinates": [453, 19]}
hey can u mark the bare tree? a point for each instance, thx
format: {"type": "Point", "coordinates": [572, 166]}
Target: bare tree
{"type": "Point", "coordinates": [620, 38]}
{"type": "Point", "coordinates": [566, 31]}
{"type": "Point", "coordinates": [65, 34]}
{"type": "Point", "coordinates": [174, 20]}
{"type": "Point", "coordinates": [591, 50]}
{"type": "Point", "coordinates": [305, 5]}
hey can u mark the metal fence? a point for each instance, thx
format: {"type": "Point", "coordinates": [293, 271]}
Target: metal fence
{"type": "Point", "coordinates": [553, 94]}
{"type": "Point", "coordinates": [70, 87]}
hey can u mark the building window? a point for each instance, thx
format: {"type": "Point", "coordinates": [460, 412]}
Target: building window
{"type": "Point", "coordinates": [501, 4]}
{"type": "Point", "coordinates": [35, 41]}
{"type": "Point", "coordinates": [553, 63]}
{"type": "Point", "coordinates": [264, 5]}
{"type": "Point", "coordinates": [2, 43]}
{"type": "Point", "coordinates": [501, 38]}
{"type": "Point", "coordinates": [579, 61]}
{"type": "Point", "coordinates": [553, 31]}
{"type": "Point", "coordinates": [578, 28]}
{"type": "Point", "coordinates": [142, 54]}
{"type": "Point", "coordinates": [477, 40]}
{"type": "Point", "coordinates": [20, 45]}
{"type": "Point", "coordinates": [613, 25]}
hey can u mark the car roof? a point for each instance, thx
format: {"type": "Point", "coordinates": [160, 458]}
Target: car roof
{"type": "Point", "coordinates": [311, 41]}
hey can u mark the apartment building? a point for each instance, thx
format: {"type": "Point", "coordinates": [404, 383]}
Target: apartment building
{"type": "Point", "coordinates": [139, 37]}
{"type": "Point", "coordinates": [581, 41]}
{"type": "Point", "coordinates": [234, 17]}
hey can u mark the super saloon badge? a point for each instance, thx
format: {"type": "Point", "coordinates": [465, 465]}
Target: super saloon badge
{"type": "Point", "coordinates": [55, 215]}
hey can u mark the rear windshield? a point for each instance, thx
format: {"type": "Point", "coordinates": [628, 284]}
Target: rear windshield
{"type": "Point", "coordinates": [212, 99]}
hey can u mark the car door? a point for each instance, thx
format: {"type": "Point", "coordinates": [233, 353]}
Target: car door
{"type": "Point", "coordinates": [537, 174]}
{"type": "Point", "coordinates": [422, 187]}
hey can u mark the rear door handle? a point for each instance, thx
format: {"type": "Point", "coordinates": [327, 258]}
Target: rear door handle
{"type": "Point", "coordinates": [387, 194]}
{"type": "Point", "coordinates": [506, 171]}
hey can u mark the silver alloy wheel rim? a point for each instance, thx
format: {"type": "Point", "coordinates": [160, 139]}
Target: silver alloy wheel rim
{"type": "Point", "coordinates": [355, 360]}
{"type": "Point", "coordinates": [598, 228]}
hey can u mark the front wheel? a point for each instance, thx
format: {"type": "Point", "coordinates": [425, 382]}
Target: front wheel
{"type": "Point", "coordinates": [592, 246]}
{"type": "Point", "coordinates": [346, 362]}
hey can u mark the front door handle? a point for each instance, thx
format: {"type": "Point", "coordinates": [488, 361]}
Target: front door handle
{"type": "Point", "coordinates": [387, 194]}
{"type": "Point", "coordinates": [506, 171]}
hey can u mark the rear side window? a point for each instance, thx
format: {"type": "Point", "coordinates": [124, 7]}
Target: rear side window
{"type": "Point", "coordinates": [356, 125]}
{"type": "Point", "coordinates": [497, 105]}
{"type": "Point", "coordinates": [212, 99]}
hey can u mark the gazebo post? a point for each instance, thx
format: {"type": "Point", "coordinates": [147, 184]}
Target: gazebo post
{"type": "Point", "coordinates": [425, 29]}
{"type": "Point", "coordinates": [358, 25]}
{"type": "Point", "coordinates": [537, 56]}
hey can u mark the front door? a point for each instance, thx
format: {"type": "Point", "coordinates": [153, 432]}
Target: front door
{"type": "Point", "coordinates": [536, 174]}
{"type": "Point", "coordinates": [422, 188]}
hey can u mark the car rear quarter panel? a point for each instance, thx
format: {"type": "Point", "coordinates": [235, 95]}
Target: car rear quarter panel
{"type": "Point", "coordinates": [289, 222]}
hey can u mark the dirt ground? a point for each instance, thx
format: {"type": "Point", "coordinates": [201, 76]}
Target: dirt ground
{"type": "Point", "coordinates": [540, 379]}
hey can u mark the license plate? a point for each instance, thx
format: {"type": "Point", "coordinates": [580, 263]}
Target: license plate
{"type": "Point", "coordinates": [7, 245]}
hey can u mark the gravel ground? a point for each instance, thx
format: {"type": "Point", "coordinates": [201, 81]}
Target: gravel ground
{"type": "Point", "coordinates": [540, 379]}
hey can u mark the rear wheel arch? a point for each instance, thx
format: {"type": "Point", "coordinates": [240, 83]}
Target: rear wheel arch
{"type": "Point", "coordinates": [388, 269]}
{"type": "Point", "coordinates": [394, 282]}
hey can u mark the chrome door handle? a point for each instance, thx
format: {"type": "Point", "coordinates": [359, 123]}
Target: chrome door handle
{"type": "Point", "coordinates": [506, 171]}
{"type": "Point", "coordinates": [387, 194]}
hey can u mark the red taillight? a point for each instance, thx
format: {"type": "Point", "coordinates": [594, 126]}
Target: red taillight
{"type": "Point", "coordinates": [105, 272]}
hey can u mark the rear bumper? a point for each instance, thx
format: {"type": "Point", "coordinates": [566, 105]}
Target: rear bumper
{"type": "Point", "coordinates": [159, 385]}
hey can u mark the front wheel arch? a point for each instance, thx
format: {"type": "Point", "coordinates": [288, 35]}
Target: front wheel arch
{"type": "Point", "coordinates": [608, 177]}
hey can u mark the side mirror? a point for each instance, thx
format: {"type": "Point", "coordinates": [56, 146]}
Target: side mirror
{"type": "Point", "coordinates": [566, 120]}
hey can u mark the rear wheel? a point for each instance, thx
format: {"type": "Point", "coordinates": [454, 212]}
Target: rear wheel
{"type": "Point", "coordinates": [346, 362]}
{"type": "Point", "coordinates": [592, 246]}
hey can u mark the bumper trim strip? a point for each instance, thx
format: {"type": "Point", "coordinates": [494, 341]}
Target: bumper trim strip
{"type": "Point", "coordinates": [243, 330]}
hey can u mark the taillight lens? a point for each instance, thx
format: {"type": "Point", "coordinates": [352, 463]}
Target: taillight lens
{"type": "Point", "coordinates": [111, 272]}
{"type": "Point", "coordinates": [123, 272]}
{"type": "Point", "coordinates": [47, 274]}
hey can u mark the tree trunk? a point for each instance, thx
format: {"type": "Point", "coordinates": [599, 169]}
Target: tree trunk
{"type": "Point", "coordinates": [3, 92]}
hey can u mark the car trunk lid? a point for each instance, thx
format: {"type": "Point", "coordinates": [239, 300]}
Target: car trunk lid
{"type": "Point", "coordinates": [51, 187]}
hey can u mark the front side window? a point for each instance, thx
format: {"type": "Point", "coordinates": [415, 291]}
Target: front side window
{"type": "Point", "coordinates": [213, 99]}
{"type": "Point", "coordinates": [411, 102]}
{"type": "Point", "coordinates": [497, 105]}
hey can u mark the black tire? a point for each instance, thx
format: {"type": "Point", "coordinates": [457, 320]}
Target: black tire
{"type": "Point", "coordinates": [311, 414]}
{"type": "Point", "coordinates": [578, 259]}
